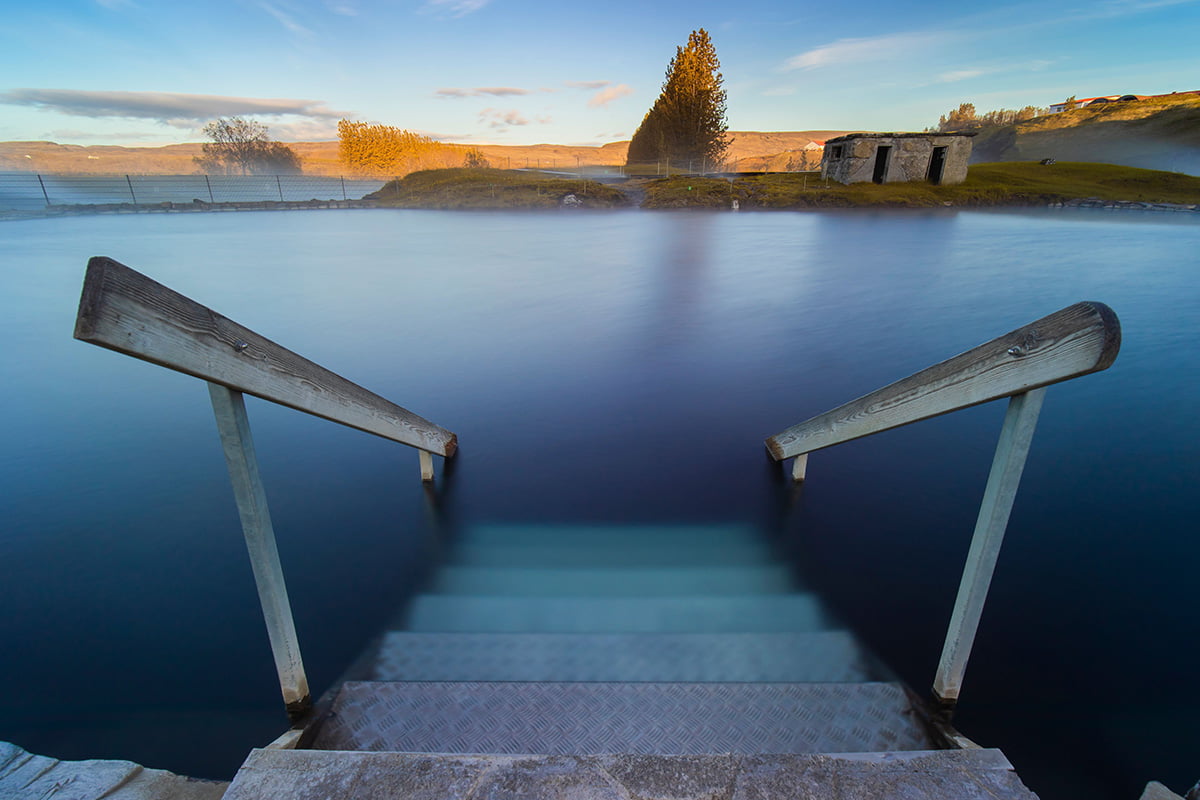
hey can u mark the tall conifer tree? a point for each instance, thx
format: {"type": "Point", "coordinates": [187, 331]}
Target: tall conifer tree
{"type": "Point", "coordinates": [686, 125]}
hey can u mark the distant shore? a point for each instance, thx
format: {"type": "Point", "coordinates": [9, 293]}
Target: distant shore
{"type": "Point", "coordinates": [1010, 184]}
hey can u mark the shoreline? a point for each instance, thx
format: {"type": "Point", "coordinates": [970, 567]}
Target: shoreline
{"type": "Point", "coordinates": [89, 209]}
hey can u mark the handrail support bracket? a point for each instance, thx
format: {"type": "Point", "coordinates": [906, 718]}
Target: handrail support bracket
{"type": "Point", "coordinates": [1020, 420]}
{"type": "Point", "coordinates": [229, 408]}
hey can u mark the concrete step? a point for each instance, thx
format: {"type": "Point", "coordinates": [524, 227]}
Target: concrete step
{"type": "Point", "coordinates": [25, 775]}
{"type": "Point", "coordinates": [918, 775]}
{"type": "Point", "coordinates": [599, 581]}
{"type": "Point", "coordinates": [827, 656]}
{"type": "Point", "coordinates": [648, 718]}
{"type": "Point", "coordinates": [678, 614]}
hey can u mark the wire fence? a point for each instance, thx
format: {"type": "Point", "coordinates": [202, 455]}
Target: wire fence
{"type": "Point", "coordinates": [30, 191]}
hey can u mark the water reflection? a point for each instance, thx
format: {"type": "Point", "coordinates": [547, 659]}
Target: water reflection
{"type": "Point", "coordinates": [604, 368]}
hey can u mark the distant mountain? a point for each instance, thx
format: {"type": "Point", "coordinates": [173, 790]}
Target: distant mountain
{"type": "Point", "coordinates": [749, 151]}
{"type": "Point", "coordinates": [1153, 133]}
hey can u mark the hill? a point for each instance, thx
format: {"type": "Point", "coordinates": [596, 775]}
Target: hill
{"type": "Point", "coordinates": [1154, 133]}
{"type": "Point", "coordinates": [749, 150]}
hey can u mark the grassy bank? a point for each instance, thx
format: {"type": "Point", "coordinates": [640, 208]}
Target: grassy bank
{"type": "Point", "coordinates": [494, 188]}
{"type": "Point", "coordinates": [1001, 184]}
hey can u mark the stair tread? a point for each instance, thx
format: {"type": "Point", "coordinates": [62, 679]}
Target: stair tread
{"type": "Point", "coordinates": [647, 718]}
{"type": "Point", "coordinates": [918, 775]}
{"type": "Point", "coordinates": [679, 614]}
{"type": "Point", "coordinates": [580, 534]}
{"type": "Point", "coordinates": [598, 553]}
{"type": "Point", "coordinates": [759, 579]}
{"type": "Point", "coordinates": [833, 656]}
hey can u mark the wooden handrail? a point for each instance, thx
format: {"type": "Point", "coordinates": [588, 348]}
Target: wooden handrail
{"type": "Point", "coordinates": [1075, 341]}
{"type": "Point", "coordinates": [123, 310]}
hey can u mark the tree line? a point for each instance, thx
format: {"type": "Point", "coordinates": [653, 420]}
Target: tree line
{"type": "Point", "coordinates": [965, 118]}
{"type": "Point", "coordinates": [240, 146]}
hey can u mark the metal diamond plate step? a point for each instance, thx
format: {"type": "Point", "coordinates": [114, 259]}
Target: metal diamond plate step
{"type": "Point", "coordinates": [981, 774]}
{"type": "Point", "coordinates": [829, 656]}
{"type": "Point", "coordinates": [679, 614]}
{"type": "Point", "coordinates": [643, 718]}
{"type": "Point", "coordinates": [598, 554]}
{"type": "Point", "coordinates": [642, 581]}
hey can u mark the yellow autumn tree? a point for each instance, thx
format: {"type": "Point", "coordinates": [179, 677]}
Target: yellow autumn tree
{"type": "Point", "coordinates": [384, 150]}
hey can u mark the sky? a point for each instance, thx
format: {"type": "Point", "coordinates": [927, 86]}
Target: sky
{"type": "Point", "coordinates": [154, 72]}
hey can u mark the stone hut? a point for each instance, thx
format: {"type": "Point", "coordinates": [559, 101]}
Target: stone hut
{"type": "Point", "coordinates": [891, 157]}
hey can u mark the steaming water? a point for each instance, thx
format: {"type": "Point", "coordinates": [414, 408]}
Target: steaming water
{"type": "Point", "coordinates": [608, 367]}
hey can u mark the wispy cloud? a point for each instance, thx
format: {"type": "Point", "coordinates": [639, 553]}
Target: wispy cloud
{"type": "Point", "coordinates": [343, 7]}
{"type": "Point", "coordinates": [285, 19]}
{"type": "Point", "coordinates": [953, 76]}
{"type": "Point", "coordinates": [453, 8]}
{"type": "Point", "coordinates": [179, 110]}
{"type": "Point", "coordinates": [874, 48]}
{"type": "Point", "coordinates": [960, 75]}
{"type": "Point", "coordinates": [605, 96]}
{"type": "Point", "coordinates": [589, 85]}
{"type": "Point", "coordinates": [481, 91]}
{"type": "Point", "coordinates": [116, 5]}
{"type": "Point", "coordinates": [501, 120]}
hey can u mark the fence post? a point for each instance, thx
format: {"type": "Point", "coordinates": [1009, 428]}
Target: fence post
{"type": "Point", "coordinates": [208, 183]}
{"type": "Point", "coordinates": [229, 407]}
{"type": "Point", "coordinates": [43, 185]}
{"type": "Point", "coordinates": [343, 179]}
{"type": "Point", "coordinates": [1007, 466]}
{"type": "Point", "coordinates": [131, 194]}
{"type": "Point", "coordinates": [279, 186]}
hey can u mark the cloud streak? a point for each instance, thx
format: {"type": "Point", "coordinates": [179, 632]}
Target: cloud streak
{"type": "Point", "coordinates": [498, 119]}
{"type": "Point", "coordinates": [869, 49]}
{"type": "Point", "coordinates": [453, 8]}
{"type": "Point", "coordinates": [605, 96]}
{"type": "Point", "coordinates": [482, 91]}
{"type": "Point", "coordinates": [170, 108]}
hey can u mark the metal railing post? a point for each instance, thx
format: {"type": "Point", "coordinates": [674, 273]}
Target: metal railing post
{"type": "Point", "coordinates": [1007, 466]}
{"type": "Point", "coordinates": [131, 194]}
{"type": "Point", "coordinates": [44, 193]}
{"type": "Point", "coordinates": [229, 407]}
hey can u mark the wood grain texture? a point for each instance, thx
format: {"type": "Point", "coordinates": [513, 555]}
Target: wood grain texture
{"type": "Point", "coordinates": [1075, 341]}
{"type": "Point", "coordinates": [123, 310]}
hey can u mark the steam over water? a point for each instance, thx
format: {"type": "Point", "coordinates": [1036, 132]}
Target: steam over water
{"type": "Point", "coordinates": [609, 367]}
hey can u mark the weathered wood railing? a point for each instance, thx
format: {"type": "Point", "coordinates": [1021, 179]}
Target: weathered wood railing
{"type": "Point", "coordinates": [123, 310]}
{"type": "Point", "coordinates": [1075, 341]}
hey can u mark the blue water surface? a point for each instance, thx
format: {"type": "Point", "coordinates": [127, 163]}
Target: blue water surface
{"type": "Point", "coordinates": [604, 367]}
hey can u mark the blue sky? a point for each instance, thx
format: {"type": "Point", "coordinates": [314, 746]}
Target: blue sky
{"type": "Point", "coordinates": [520, 72]}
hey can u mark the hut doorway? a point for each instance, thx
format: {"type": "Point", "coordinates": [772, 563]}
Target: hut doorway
{"type": "Point", "coordinates": [882, 156]}
{"type": "Point", "coordinates": [937, 165]}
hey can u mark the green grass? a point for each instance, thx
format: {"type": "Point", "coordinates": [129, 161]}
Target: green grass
{"type": "Point", "coordinates": [492, 188]}
{"type": "Point", "coordinates": [1000, 184]}
{"type": "Point", "coordinates": [1010, 183]}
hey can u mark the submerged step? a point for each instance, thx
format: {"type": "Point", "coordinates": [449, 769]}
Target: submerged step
{"type": "Point", "coordinates": [639, 581]}
{"type": "Point", "coordinates": [644, 718]}
{"type": "Point", "coordinates": [827, 656]}
{"type": "Point", "coordinates": [599, 554]}
{"type": "Point", "coordinates": [919, 775]}
{"type": "Point", "coordinates": [676, 614]}
{"type": "Point", "coordinates": [551, 535]}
